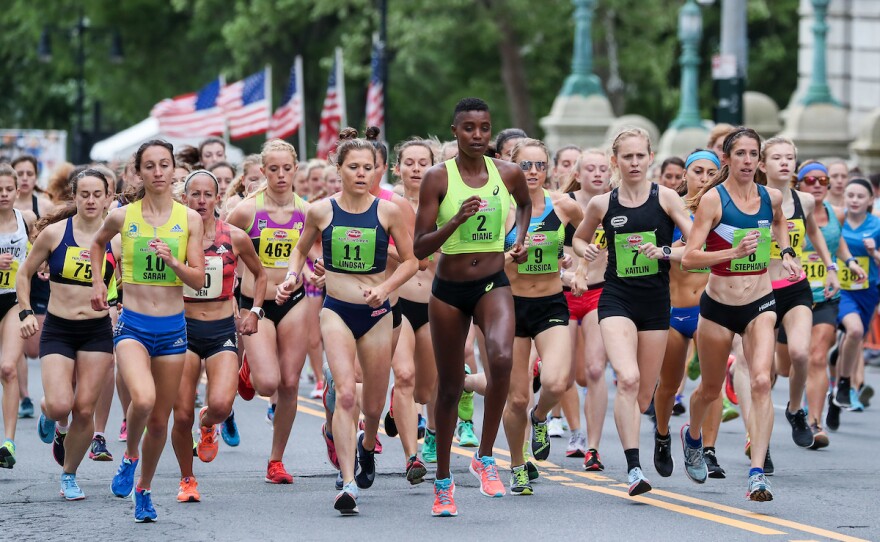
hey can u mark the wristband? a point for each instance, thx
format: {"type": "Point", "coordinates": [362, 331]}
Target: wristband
{"type": "Point", "coordinates": [259, 312]}
{"type": "Point", "coordinates": [850, 260]}
{"type": "Point", "coordinates": [294, 274]}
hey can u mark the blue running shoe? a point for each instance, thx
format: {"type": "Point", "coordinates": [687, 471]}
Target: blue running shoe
{"type": "Point", "coordinates": [46, 429]}
{"type": "Point", "coordinates": [229, 431]}
{"type": "Point", "coordinates": [423, 424]}
{"type": "Point", "coordinates": [143, 506]}
{"type": "Point", "coordinates": [694, 462]}
{"type": "Point", "coordinates": [270, 414]}
{"type": "Point", "coordinates": [26, 408]}
{"type": "Point", "coordinates": [69, 489]}
{"type": "Point", "coordinates": [854, 401]}
{"type": "Point", "coordinates": [346, 500]}
{"type": "Point", "coordinates": [123, 482]}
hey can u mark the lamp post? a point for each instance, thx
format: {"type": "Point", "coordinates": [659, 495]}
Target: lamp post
{"type": "Point", "coordinates": [77, 33]}
{"type": "Point", "coordinates": [819, 92]}
{"type": "Point", "coordinates": [582, 81]}
{"type": "Point", "coordinates": [690, 31]}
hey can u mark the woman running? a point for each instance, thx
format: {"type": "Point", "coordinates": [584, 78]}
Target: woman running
{"type": "Point", "coordinates": [76, 344]}
{"type": "Point", "coordinates": [211, 331]}
{"type": "Point", "coordinates": [463, 207]}
{"type": "Point", "coordinates": [733, 217]}
{"type": "Point", "coordinates": [161, 251]}
{"type": "Point", "coordinates": [355, 229]}
{"type": "Point", "coordinates": [838, 175]}
{"type": "Point", "coordinates": [276, 353]}
{"type": "Point", "coordinates": [541, 313]}
{"type": "Point", "coordinates": [638, 218]}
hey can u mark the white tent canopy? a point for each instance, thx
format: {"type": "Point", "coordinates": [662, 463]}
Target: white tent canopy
{"type": "Point", "coordinates": [120, 146]}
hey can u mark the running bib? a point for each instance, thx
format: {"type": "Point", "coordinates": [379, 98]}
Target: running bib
{"type": "Point", "coordinates": [543, 254]}
{"type": "Point", "coordinates": [485, 226]}
{"type": "Point", "coordinates": [353, 249]}
{"type": "Point", "coordinates": [78, 265]}
{"type": "Point", "coordinates": [146, 267]}
{"type": "Point", "coordinates": [756, 261]}
{"type": "Point", "coordinates": [213, 280]}
{"type": "Point", "coordinates": [814, 268]}
{"type": "Point", "coordinates": [7, 276]}
{"type": "Point", "coordinates": [630, 262]}
{"type": "Point", "coordinates": [796, 234]}
{"type": "Point", "coordinates": [599, 238]}
{"type": "Point", "coordinates": [276, 245]}
{"type": "Point", "coordinates": [848, 279]}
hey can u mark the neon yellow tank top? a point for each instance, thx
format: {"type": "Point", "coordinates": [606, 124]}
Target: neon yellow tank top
{"type": "Point", "coordinates": [483, 232]}
{"type": "Point", "coordinates": [140, 265]}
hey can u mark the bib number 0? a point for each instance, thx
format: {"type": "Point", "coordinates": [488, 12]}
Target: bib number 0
{"type": "Point", "coordinates": [147, 267]}
{"type": "Point", "coordinates": [815, 269]}
{"type": "Point", "coordinates": [758, 260]}
{"type": "Point", "coordinates": [213, 280]}
{"type": "Point", "coordinates": [631, 262]}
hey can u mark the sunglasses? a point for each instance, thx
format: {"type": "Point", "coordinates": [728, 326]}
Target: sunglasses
{"type": "Point", "coordinates": [526, 165]}
{"type": "Point", "coordinates": [810, 181]}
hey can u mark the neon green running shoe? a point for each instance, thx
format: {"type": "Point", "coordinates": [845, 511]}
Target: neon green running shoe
{"type": "Point", "coordinates": [7, 454]}
{"type": "Point", "coordinates": [429, 447]}
{"type": "Point", "coordinates": [693, 368]}
{"type": "Point", "coordinates": [466, 406]}
{"type": "Point", "coordinates": [464, 432]}
{"type": "Point", "coordinates": [519, 481]}
{"type": "Point", "coordinates": [728, 411]}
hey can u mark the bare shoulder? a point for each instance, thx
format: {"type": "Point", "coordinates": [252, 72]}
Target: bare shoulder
{"type": "Point", "coordinates": [775, 195]}
{"type": "Point", "coordinates": [808, 202]}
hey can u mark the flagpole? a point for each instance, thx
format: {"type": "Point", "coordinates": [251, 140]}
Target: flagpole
{"type": "Point", "coordinates": [268, 93]}
{"type": "Point", "coordinates": [225, 120]}
{"type": "Point", "coordinates": [298, 68]}
{"type": "Point", "coordinates": [340, 87]}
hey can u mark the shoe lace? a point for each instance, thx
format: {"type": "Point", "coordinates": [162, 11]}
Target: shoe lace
{"type": "Point", "coordinates": [443, 494]}
{"type": "Point", "coordinates": [800, 421]}
{"type": "Point", "coordinates": [541, 432]}
{"type": "Point", "coordinates": [521, 477]}
{"type": "Point", "coordinates": [490, 469]}
{"type": "Point", "coordinates": [710, 458]}
{"type": "Point", "coordinates": [68, 482]}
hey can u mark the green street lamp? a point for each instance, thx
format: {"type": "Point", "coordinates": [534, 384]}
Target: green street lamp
{"type": "Point", "coordinates": [690, 31]}
{"type": "Point", "coordinates": [582, 81]}
{"type": "Point", "coordinates": [819, 92]}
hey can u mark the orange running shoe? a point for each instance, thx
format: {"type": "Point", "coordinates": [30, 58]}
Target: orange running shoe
{"type": "Point", "coordinates": [188, 491]}
{"type": "Point", "coordinates": [728, 381]}
{"type": "Point", "coordinates": [444, 499]}
{"type": "Point", "coordinates": [245, 388]}
{"type": "Point", "coordinates": [486, 471]}
{"type": "Point", "coordinates": [208, 443]}
{"type": "Point", "coordinates": [277, 474]}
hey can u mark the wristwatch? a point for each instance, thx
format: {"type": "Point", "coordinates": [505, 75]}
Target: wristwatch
{"type": "Point", "coordinates": [24, 314]}
{"type": "Point", "coordinates": [787, 250]}
{"type": "Point", "coordinates": [667, 252]}
{"type": "Point", "coordinates": [259, 312]}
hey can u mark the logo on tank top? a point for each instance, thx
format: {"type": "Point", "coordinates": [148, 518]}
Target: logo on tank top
{"type": "Point", "coordinates": [177, 229]}
{"type": "Point", "coordinates": [763, 223]}
{"type": "Point", "coordinates": [133, 230]}
{"type": "Point", "coordinates": [497, 189]}
{"type": "Point", "coordinates": [222, 250]}
{"type": "Point", "coordinates": [618, 221]}
{"type": "Point", "coordinates": [262, 224]}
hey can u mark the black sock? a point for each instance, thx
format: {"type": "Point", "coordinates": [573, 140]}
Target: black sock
{"type": "Point", "coordinates": [430, 431]}
{"type": "Point", "coordinates": [843, 381]}
{"type": "Point", "coordinates": [632, 459]}
{"type": "Point", "coordinates": [658, 436]}
{"type": "Point", "coordinates": [707, 449]}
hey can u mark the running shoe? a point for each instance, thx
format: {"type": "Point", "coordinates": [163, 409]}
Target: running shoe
{"type": "Point", "coordinates": [577, 445]}
{"type": "Point", "coordinates": [245, 388]}
{"type": "Point", "coordinates": [554, 427]}
{"type": "Point", "coordinates": [715, 470]}
{"type": "Point", "coordinates": [143, 506]}
{"type": "Point", "coordinates": [663, 463]}
{"type": "Point", "coordinates": [748, 450]}
{"type": "Point", "coordinates": [58, 446]}
{"type": "Point", "coordinates": [390, 425]}
{"type": "Point", "coordinates": [429, 447]}
{"type": "Point", "coordinates": [415, 470]}
{"type": "Point", "coordinates": [536, 376]}
{"type": "Point", "coordinates": [638, 484]}
{"type": "Point", "coordinates": [729, 391]}
{"type": "Point", "coordinates": [339, 481]}
{"type": "Point", "coordinates": [98, 451]}
{"type": "Point", "coordinates": [678, 407]}
{"type": "Point", "coordinates": [363, 427]}
{"type": "Point", "coordinates": [329, 389]}
{"type": "Point", "coordinates": [209, 440]}
{"type": "Point", "coordinates": [532, 470]}
{"type": "Point", "coordinates": [318, 391]}
{"type": "Point", "coordinates": [539, 440]}
{"type": "Point", "coordinates": [123, 482]}
{"type": "Point", "coordinates": [7, 454]}
{"type": "Point", "coordinates": [769, 469]}
{"type": "Point", "coordinates": [346, 501]}
{"type": "Point", "coordinates": [366, 462]}
{"type": "Point", "coordinates": [423, 424]}
{"type": "Point", "coordinates": [123, 431]}
{"type": "Point", "coordinates": [198, 403]}
{"type": "Point", "coordinates": [855, 404]}
{"type": "Point", "coordinates": [45, 429]}
{"type": "Point", "coordinates": [800, 431]}
{"type": "Point", "coordinates": [270, 414]}
{"type": "Point", "coordinates": [26, 408]}
{"type": "Point", "coordinates": [728, 411]}
{"type": "Point", "coordinates": [188, 490]}
{"type": "Point", "coordinates": [592, 462]}
{"type": "Point", "coordinates": [832, 418]}
{"type": "Point", "coordinates": [195, 443]}
{"type": "Point", "coordinates": [820, 437]}
{"type": "Point", "coordinates": [842, 395]}
{"type": "Point", "coordinates": [693, 366]}
{"type": "Point", "coordinates": [229, 431]}
{"type": "Point", "coordinates": [466, 406]}
{"type": "Point", "coordinates": [865, 394]}
{"type": "Point", "coordinates": [694, 462]}
{"type": "Point", "coordinates": [464, 432]}
{"type": "Point", "coordinates": [69, 488]}
{"type": "Point", "coordinates": [444, 499]}
{"type": "Point", "coordinates": [277, 474]}
{"type": "Point", "coordinates": [331, 446]}
{"type": "Point", "coordinates": [519, 481]}
{"type": "Point", "coordinates": [759, 488]}
{"type": "Point", "coordinates": [486, 471]}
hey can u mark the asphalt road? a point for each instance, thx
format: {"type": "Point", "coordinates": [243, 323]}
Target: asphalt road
{"type": "Point", "coordinates": [819, 495]}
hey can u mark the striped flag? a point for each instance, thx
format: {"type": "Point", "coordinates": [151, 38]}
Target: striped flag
{"type": "Point", "coordinates": [376, 91]}
{"type": "Point", "coordinates": [192, 115]}
{"type": "Point", "coordinates": [333, 113]}
{"type": "Point", "coordinates": [289, 117]}
{"type": "Point", "coordinates": [246, 104]}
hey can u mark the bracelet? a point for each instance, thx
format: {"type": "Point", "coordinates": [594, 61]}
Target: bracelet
{"type": "Point", "coordinates": [831, 267]}
{"type": "Point", "coordinates": [850, 260]}
{"type": "Point", "coordinates": [292, 273]}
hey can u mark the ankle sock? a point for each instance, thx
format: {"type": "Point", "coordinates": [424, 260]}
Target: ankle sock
{"type": "Point", "coordinates": [632, 459]}
{"type": "Point", "coordinates": [693, 443]}
{"type": "Point", "coordinates": [755, 471]}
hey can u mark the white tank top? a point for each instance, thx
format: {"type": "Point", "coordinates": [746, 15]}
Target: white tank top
{"type": "Point", "coordinates": [15, 243]}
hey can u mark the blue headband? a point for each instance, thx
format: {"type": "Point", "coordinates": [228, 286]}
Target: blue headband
{"type": "Point", "coordinates": [702, 155]}
{"type": "Point", "coordinates": [814, 166]}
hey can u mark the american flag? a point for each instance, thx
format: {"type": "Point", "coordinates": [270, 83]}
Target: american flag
{"type": "Point", "coordinates": [289, 117]}
{"type": "Point", "coordinates": [246, 105]}
{"type": "Point", "coordinates": [333, 114]}
{"type": "Point", "coordinates": [194, 114]}
{"type": "Point", "coordinates": [376, 91]}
